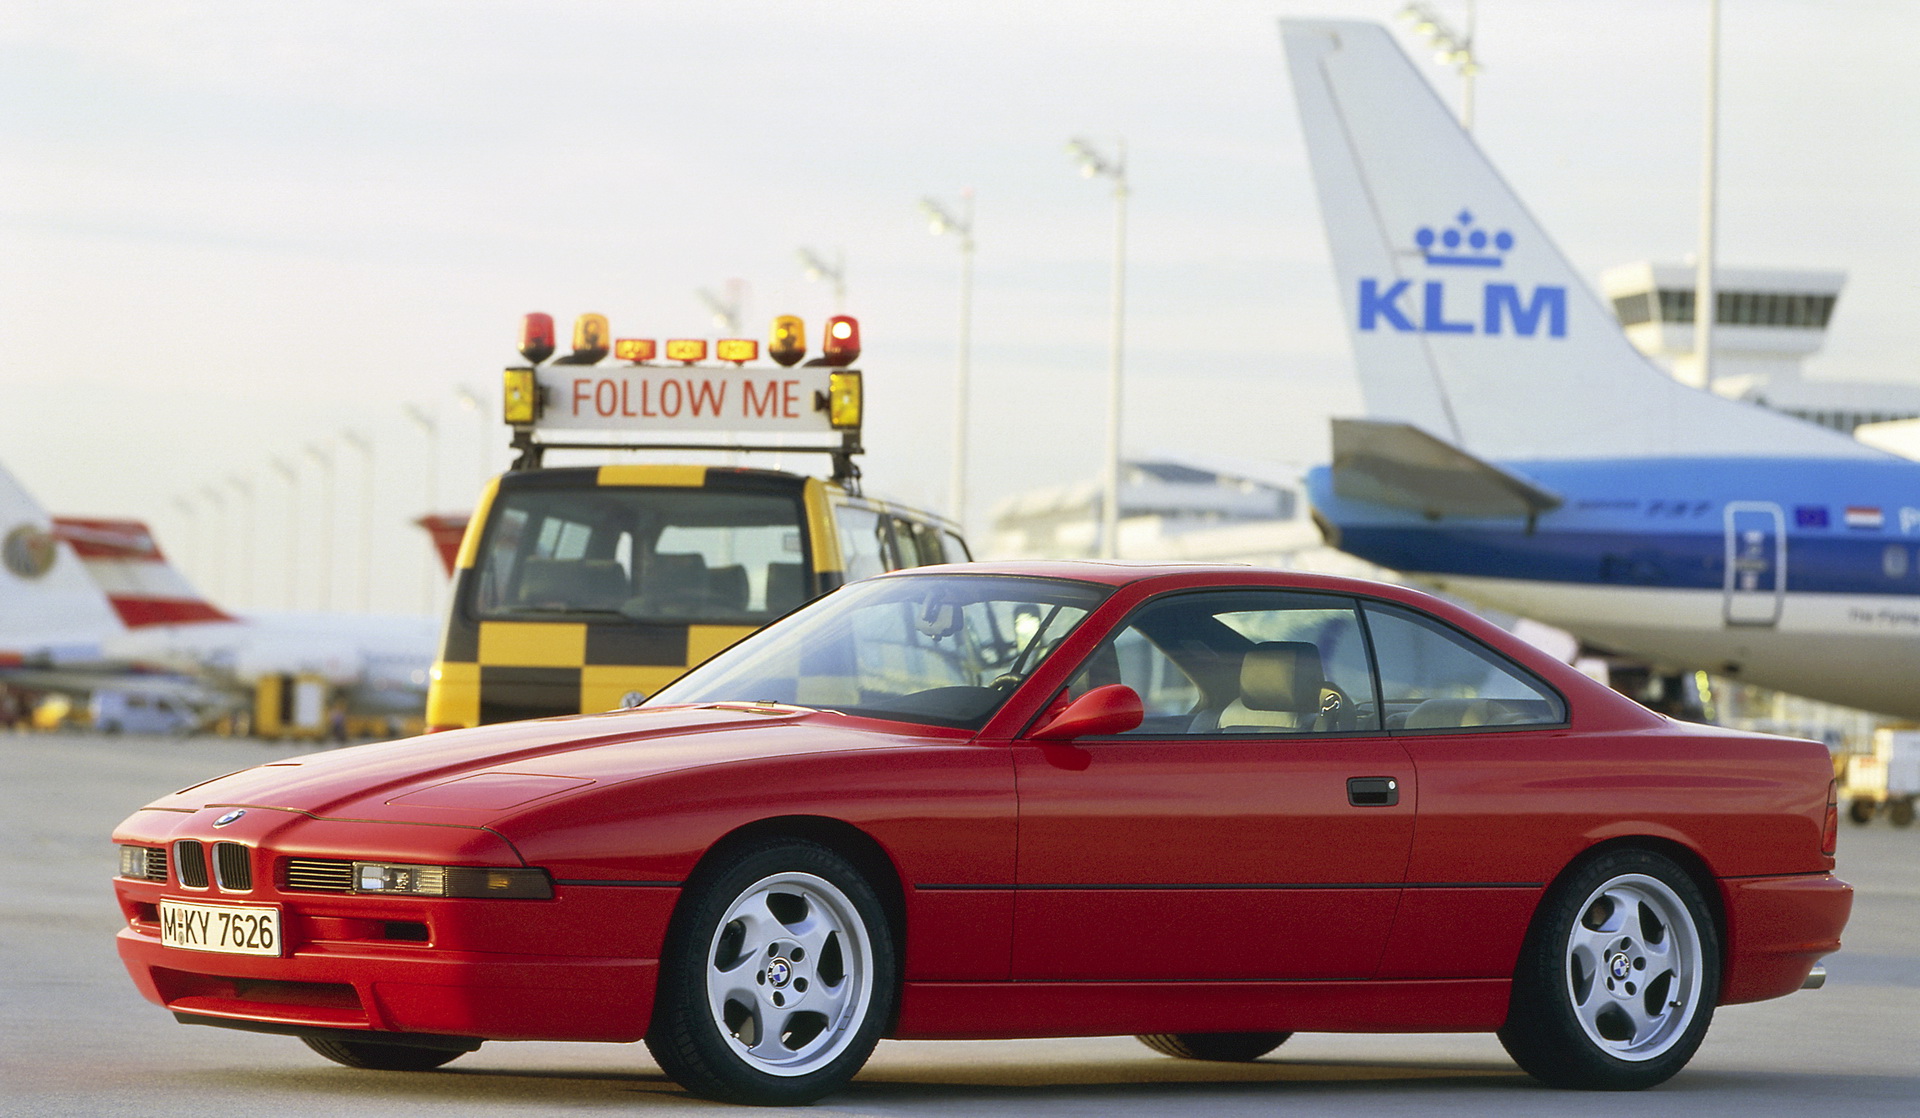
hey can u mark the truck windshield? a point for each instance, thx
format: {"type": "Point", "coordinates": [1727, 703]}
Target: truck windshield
{"type": "Point", "coordinates": [942, 649]}
{"type": "Point", "coordinates": [644, 554]}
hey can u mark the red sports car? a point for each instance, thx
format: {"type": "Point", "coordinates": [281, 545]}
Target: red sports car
{"type": "Point", "coordinates": [1209, 806]}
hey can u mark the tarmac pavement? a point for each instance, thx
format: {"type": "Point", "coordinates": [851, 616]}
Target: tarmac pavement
{"type": "Point", "coordinates": [76, 1040]}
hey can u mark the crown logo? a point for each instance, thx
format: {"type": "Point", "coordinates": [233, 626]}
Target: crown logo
{"type": "Point", "coordinates": [1462, 245]}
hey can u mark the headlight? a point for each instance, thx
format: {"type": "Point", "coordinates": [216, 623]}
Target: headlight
{"type": "Point", "coordinates": [450, 881]}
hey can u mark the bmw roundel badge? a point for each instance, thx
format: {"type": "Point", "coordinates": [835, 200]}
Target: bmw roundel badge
{"type": "Point", "coordinates": [229, 817]}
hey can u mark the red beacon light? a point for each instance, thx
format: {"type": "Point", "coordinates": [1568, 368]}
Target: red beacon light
{"type": "Point", "coordinates": [536, 337]}
{"type": "Point", "coordinates": [841, 346]}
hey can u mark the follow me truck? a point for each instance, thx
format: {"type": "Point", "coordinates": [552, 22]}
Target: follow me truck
{"type": "Point", "coordinates": [586, 588]}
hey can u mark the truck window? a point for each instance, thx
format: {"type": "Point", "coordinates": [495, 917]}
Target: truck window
{"type": "Point", "coordinates": [643, 554]}
{"type": "Point", "coordinates": [863, 542]}
{"type": "Point", "coordinates": [907, 544]}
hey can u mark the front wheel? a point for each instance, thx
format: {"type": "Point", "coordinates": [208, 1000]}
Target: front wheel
{"type": "Point", "coordinates": [776, 979]}
{"type": "Point", "coordinates": [1900, 812]}
{"type": "Point", "coordinates": [381, 1057]}
{"type": "Point", "coordinates": [1224, 1047]}
{"type": "Point", "coordinates": [1616, 984]}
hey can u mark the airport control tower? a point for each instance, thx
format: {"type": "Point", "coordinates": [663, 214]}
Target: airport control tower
{"type": "Point", "coordinates": [1768, 321]}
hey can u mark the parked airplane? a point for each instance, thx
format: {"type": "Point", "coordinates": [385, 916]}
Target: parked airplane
{"type": "Point", "coordinates": [1521, 453]}
{"type": "Point", "coordinates": [89, 604]}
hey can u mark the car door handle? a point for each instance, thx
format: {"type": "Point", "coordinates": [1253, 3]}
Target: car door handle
{"type": "Point", "coordinates": [1373, 791]}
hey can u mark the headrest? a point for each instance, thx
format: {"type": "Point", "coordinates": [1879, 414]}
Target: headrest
{"type": "Point", "coordinates": [1281, 675]}
{"type": "Point", "coordinates": [678, 569]}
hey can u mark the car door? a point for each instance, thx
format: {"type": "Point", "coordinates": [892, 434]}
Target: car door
{"type": "Point", "coordinates": [1499, 789]}
{"type": "Point", "coordinates": [1256, 826]}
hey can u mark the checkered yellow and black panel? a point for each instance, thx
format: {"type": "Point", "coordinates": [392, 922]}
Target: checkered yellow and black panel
{"type": "Point", "coordinates": [520, 669]}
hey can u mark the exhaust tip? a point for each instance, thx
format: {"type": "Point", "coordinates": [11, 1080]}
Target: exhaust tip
{"type": "Point", "coordinates": [1816, 978]}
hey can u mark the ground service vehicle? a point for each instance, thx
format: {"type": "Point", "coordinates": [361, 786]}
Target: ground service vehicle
{"type": "Point", "coordinates": [582, 589]}
{"type": "Point", "coordinates": [1209, 806]}
{"type": "Point", "coordinates": [1888, 778]}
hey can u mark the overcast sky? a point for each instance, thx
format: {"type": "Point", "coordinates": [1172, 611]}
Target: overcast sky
{"type": "Point", "coordinates": [229, 232]}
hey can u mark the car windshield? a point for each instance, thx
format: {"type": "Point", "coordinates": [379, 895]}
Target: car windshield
{"type": "Point", "coordinates": [942, 649]}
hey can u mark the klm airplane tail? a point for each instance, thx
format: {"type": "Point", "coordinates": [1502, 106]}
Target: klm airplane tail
{"type": "Point", "coordinates": [1467, 323]}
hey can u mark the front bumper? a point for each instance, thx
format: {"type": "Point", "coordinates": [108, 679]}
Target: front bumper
{"type": "Point", "coordinates": [341, 968]}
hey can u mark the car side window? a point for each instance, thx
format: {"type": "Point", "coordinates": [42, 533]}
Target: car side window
{"type": "Point", "coordinates": [1433, 677]}
{"type": "Point", "coordinates": [1239, 663]}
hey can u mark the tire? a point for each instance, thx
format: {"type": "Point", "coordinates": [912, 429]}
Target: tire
{"type": "Point", "coordinates": [778, 975]}
{"type": "Point", "coordinates": [1618, 977]}
{"type": "Point", "coordinates": [1860, 811]}
{"type": "Point", "coordinates": [381, 1057]}
{"type": "Point", "coordinates": [1225, 1047]}
{"type": "Point", "coordinates": [1900, 812]}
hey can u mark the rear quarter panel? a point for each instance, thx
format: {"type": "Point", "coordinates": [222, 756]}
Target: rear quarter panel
{"type": "Point", "coordinates": [1502, 815]}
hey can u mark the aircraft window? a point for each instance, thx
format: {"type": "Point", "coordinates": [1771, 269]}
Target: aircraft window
{"type": "Point", "coordinates": [1434, 678]}
{"type": "Point", "coordinates": [1893, 561]}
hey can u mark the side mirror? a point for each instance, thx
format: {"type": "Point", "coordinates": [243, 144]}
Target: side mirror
{"type": "Point", "coordinates": [1113, 709]}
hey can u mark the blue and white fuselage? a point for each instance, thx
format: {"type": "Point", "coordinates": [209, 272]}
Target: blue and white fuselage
{"type": "Point", "coordinates": [1748, 567]}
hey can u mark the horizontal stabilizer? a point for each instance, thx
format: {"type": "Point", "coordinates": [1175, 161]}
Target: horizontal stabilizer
{"type": "Point", "coordinates": [1401, 466]}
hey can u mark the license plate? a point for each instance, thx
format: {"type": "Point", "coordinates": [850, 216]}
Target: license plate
{"type": "Point", "coordinates": [229, 929]}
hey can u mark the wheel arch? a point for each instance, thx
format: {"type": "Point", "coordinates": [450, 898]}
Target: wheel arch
{"type": "Point", "coordinates": [1680, 854]}
{"type": "Point", "coordinates": [843, 838]}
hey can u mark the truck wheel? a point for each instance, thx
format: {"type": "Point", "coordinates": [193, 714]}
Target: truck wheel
{"type": "Point", "coordinates": [1616, 984]}
{"type": "Point", "coordinates": [1860, 810]}
{"type": "Point", "coordinates": [1900, 812]}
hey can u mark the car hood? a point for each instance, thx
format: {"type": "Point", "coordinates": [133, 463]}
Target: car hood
{"type": "Point", "coordinates": [469, 776]}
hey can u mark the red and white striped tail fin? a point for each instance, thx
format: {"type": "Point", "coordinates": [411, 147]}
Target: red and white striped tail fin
{"type": "Point", "coordinates": [124, 561]}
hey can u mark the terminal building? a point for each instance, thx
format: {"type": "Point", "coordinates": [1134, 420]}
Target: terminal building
{"type": "Point", "coordinates": [1177, 509]}
{"type": "Point", "coordinates": [1767, 323]}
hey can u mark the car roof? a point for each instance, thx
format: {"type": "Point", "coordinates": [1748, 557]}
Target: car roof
{"type": "Point", "coordinates": [1163, 575]}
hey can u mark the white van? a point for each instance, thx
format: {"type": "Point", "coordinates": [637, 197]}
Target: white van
{"type": "Point", "coordinates": [114, 712]}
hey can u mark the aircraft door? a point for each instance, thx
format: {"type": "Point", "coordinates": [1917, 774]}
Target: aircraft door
{"type": "Point", "coordinates": [1756, 575]}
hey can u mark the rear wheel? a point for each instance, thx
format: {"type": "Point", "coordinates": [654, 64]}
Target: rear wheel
{"type": "Point", "coordinates": [1226, 1047]}
{"type": "Point", "coordinates": [1900, 812]}
{"type": "Point", "coordinates": [381, 1057]}
{"type": "Point", "coordinates": [777, 977]}
{"type": "Point", "coordinates": [1616, 984]}
{"type": "Point", "coordinates": [1860, 811]}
